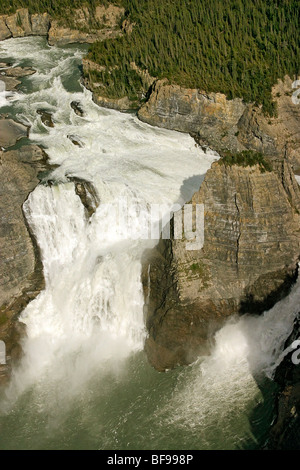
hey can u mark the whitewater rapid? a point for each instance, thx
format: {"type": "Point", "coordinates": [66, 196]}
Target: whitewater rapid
{"type": "Point", "coordinates": [89, 319]}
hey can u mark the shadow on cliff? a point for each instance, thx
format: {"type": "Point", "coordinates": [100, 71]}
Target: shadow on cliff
{"type": "Point", "coordinates": [189, 187]}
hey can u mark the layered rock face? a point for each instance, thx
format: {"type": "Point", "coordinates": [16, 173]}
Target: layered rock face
{"type": "Point", "coordinates": [86, 28]}
{"type": "Point", "coordinates": [100, 91]}
{"type": "Point", "coordinates": [20, 266]}
{"type": "Point", "coordinates": [285, 434]}
{"type": "Point", "coordinates": [9, 76]}
{"type": "Point", "coordinates": [105, 23]}
{"type": "Point", "coordinates": [248, 261]}
{"type": "Point", "coordinates": [228, 124]}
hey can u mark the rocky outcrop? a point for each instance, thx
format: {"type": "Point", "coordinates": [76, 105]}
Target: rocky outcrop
{"type": "Point", "coordinates": [88, 195]}
{"type": "Point", "coordinates": [77, 108]}
{"type": "Point", "coordinates": [75, 140]}
{"type": "Point", "coordinates": [248, 260]}
{"type": "Point", "coordinates": [9, 76]}
{"type": "Point", "coordinates": [60, 35]}
{"type": "Point", "coordinates": [5, 33]}
{"type": "Point", "coordinates": [22, 24]}
{"type": "Point", "coordinates": [19, 24]}
{"type": "Point", "coordinates": [101, 93]}
{"type": "Point", "coordinates": [40, 24]}
{"type": "Point", "coordinates": [227, 124]}
{"type": "Point", "coordinates": [20, 265]}
{"type": "Point", "coordinates": [46, 117]}
{"type": "Point", "coordinates": [211, 117]}
{"type": "Point", "coordinates": [121, 104]}
{"type": "Point", "coordinates": [86, 27]}
{"type": "Point", "coordinates": [284, 434]}
{"type": "Point", "coordinates": [16, 72]}
{"type": "Point", "coordinates": [11, 132]}
{"type": "Point", "coordinates": [98, 89]}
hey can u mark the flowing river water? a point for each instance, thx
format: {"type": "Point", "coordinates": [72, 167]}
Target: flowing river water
{"type": "Point", "coordinates": [84, 382]}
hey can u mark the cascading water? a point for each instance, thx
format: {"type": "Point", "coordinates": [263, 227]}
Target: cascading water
{"type": "Point", "coordinates": [84, 381]}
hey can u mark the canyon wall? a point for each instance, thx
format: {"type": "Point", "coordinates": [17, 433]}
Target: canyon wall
{"type": "Point", "coordinates": [248, 261]}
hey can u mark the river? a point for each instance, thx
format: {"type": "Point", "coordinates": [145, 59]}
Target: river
{"type": "Point", "coordinates": [84, 381]}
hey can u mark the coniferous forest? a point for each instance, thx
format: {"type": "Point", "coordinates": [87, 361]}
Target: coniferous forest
{"type": "Point", "coordinates": [238, 47]}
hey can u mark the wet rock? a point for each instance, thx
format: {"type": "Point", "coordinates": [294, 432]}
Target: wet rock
{"type": "Point", "coordinates": [76, 106]}
{"type": "Point", "coordinates": [40, 24]}
{"type": "Point", "coordinates": [46, 117]}
{"type": "Point", "coordinates": [11, 132]}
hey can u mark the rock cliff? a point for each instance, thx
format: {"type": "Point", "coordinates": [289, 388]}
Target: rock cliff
{"type": "Point", "coordinates": [11, 132]}
{"type": "Point", "coordinates": [248, 260]}
{"type": "Point", "coordinates": [210, 117]}
{"type": "Point", "coordinates": [83, 26]}
{"type": "Point", "coordinates": [20, 265]}
{"type": "Point", "coordinates": [22, 24]}
{"type": "Point", "coordinates": [284, 433]}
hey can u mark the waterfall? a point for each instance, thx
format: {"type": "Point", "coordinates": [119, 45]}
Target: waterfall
{"type": "Point", "coordinates": [88, 321]}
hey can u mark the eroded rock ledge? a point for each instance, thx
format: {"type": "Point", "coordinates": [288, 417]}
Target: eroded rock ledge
{"type": "Point", "coordinates": [285, 434]}
{"type": "Point", "coordinates": [248, 261]}
{"type": "Point", "coordinates": [227, 124]}
{"type": "Point", "coordinates": [105, 23]}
